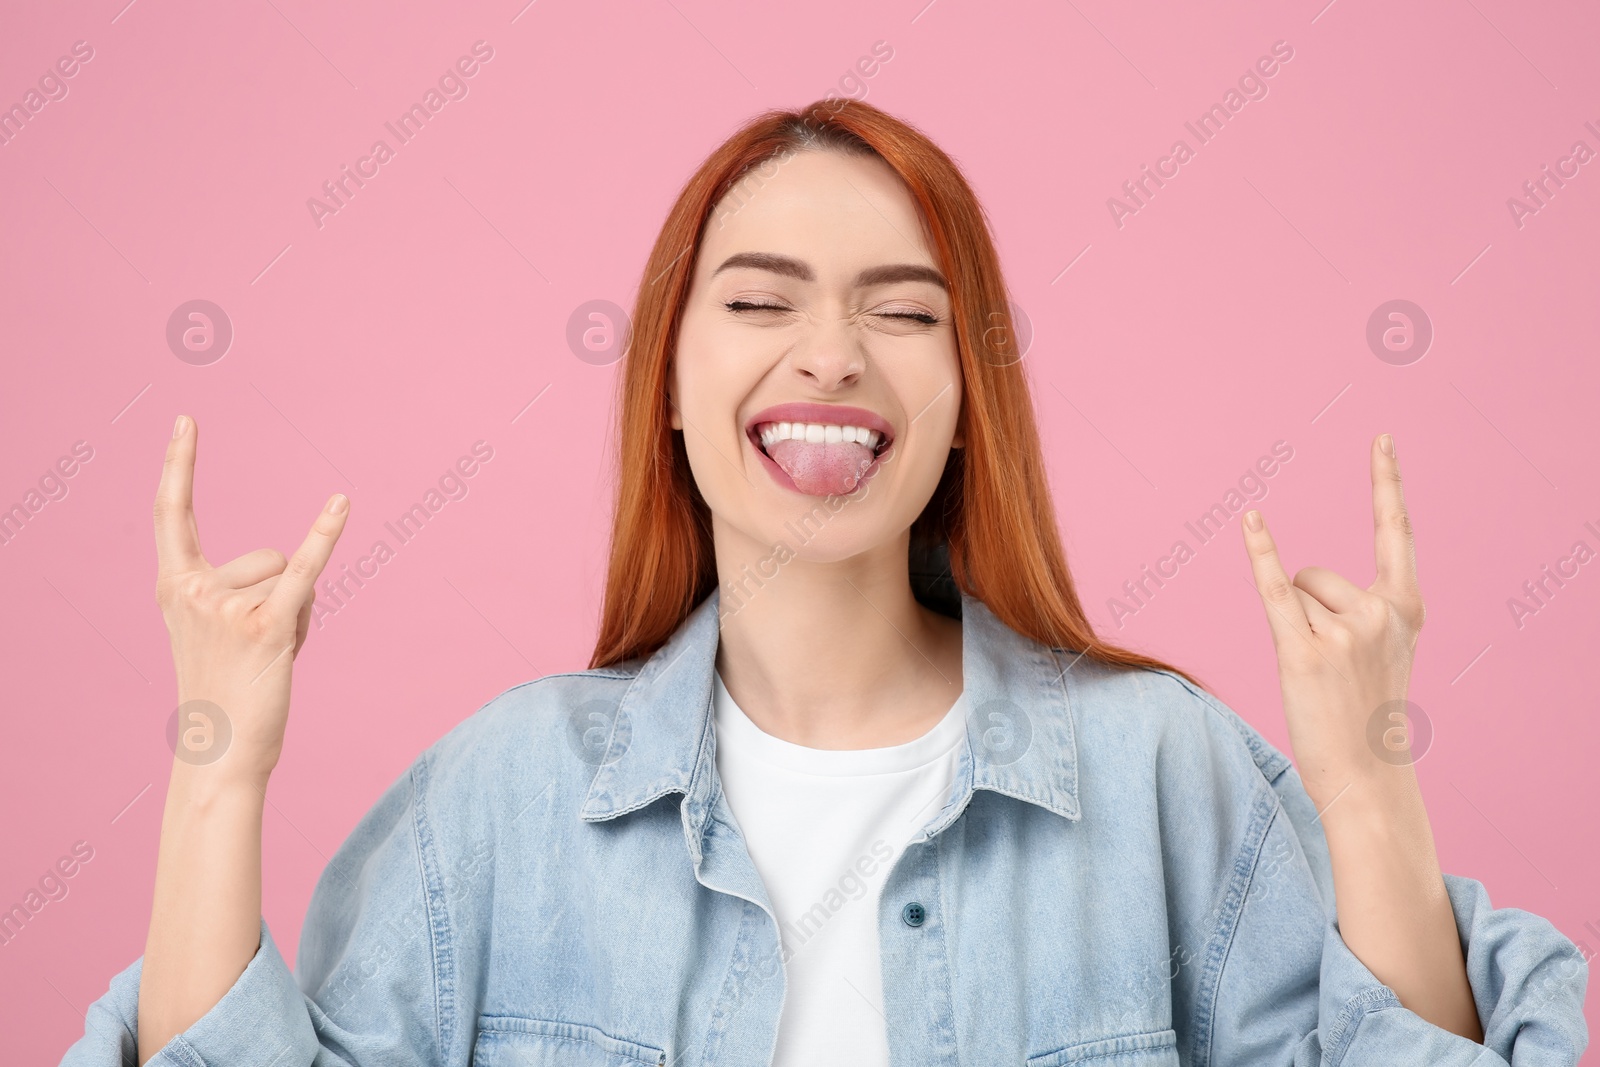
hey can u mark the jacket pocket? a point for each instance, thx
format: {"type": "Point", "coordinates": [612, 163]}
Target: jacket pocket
{"type": "Point", "coordinates": [511, 1041]}
{"type": "Point", "coordinates": [1154, 1048]}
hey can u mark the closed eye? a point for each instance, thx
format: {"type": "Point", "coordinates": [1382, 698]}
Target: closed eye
{"type": "Point", "coordinates": [922, 317]}
{"type": "Point", "coordinates": [915, 316]}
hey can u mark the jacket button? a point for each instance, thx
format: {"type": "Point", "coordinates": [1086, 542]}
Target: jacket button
{"type": "Point", "coordinates": [913, 914]}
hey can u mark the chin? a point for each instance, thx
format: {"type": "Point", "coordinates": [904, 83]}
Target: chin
{"type": "Point", "coordinates": [818, 534]}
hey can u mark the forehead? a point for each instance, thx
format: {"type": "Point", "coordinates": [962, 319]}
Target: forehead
{"type": "Point", "coordinates": [838, 212]}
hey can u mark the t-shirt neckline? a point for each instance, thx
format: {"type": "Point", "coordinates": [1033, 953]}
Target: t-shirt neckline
{"type": "Point", "coordinates": [736, 731]}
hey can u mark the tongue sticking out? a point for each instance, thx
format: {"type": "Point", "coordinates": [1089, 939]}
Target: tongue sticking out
{"type": "Point", "coordinates": [822, 469]}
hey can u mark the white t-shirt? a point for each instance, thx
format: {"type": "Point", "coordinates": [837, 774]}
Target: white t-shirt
{"type": "Point", "coordinates": [824, 827]}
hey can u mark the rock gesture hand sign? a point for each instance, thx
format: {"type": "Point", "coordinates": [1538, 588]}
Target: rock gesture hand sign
{"type": "Point", "coordinates": [235, 629]}
{"type": "Point", "coordinates": [1344, 659]}
{"type": "Point", "coordinates": [1344, 653]}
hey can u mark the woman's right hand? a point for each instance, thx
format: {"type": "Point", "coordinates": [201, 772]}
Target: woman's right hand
{"type": "Point", "coordinates": [235, 629]}
{"type": "Point", "coordinates": [235, 632]}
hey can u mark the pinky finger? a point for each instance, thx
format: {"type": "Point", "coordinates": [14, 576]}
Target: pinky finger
{"type": "Point", "coordinates": [294, 587]}
{"type": "Point", "coordinates": [1286, 615]}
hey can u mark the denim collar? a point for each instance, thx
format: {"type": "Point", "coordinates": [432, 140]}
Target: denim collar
{"type": "Point", "coordinates": [1021, 739]}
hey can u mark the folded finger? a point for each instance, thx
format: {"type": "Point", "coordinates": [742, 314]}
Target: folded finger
{"type": "Point", "coordinates": [1331, 589]}
{"type": "Point", "coordinates": [251, 568]}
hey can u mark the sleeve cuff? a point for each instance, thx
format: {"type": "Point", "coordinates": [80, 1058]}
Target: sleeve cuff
{"type": "Point", "coordinates": [1513, 959]}
{"type": "Point", "coordinates": [261, 1020]}
{"type": "Point", "coordinates": [1364, 1021]}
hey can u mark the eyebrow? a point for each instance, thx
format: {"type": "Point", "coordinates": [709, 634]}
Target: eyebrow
{"type": "Point", "coordinates": [800, 269]}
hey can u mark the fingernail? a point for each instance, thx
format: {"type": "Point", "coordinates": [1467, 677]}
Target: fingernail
{"type": "Point", "coordinates": [337, 505]}
{"type": "Point", "coordinates": [1252, 519]}
{"type": "Point", "coordinates": [1386, 442]}
{"type": "Point", "coordinates": [178, 427]}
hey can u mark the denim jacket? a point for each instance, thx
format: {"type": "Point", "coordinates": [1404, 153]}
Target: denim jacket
{"type": "Point", "coordinates": [1124, 872]}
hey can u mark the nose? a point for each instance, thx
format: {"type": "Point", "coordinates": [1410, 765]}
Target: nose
{"type": "Point", "coordinates": [830, 359]}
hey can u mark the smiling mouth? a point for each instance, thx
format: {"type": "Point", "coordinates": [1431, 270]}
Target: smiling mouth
{"type": "Point", "coordinates": [767, 434]}
{"type": "Point", "coordinates": [821, 458]}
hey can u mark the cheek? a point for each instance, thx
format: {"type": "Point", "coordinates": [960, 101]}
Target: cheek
{"type": "Point", "coordinates": [931, 392]}
{"type": "Point", "coordinates": [707, 391]}
{"type": "Point", "coordinates": [933, 401]}
{"type": "Point", "coordinates": [710, 384]}
{"type": "Point", "coordinates": [709, 348]}
{"type": "Point", "coordinates": [924, 463]}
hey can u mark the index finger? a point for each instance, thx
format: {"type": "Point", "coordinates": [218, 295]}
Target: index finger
{"type": "Point", "coordinates": [1396, 553]}
{"type": "Point", "coordinates": [177, 539]}
{"type": "Point", "coordinates": [293, 587]}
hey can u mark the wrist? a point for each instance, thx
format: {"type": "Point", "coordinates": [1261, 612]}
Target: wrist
{"type": "Point", "coordinates": [201, 789]}
{"type": "Point", "coordinates": [1362, 790]}
{"type": "Point", "coordinates": [1379, 815]}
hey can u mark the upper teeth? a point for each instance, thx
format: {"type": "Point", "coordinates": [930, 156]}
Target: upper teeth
{"type": "Point", "coordinates": [818, 433]}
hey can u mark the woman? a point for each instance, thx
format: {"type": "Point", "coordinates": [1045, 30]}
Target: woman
{"type": "Point", "coordinates": [849, 771]}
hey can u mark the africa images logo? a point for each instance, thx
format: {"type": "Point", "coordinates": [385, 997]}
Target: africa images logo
{"type": "Point", "coordinates": [452, 85]}
{"type": "Point", "coordinates": [1252, 85]}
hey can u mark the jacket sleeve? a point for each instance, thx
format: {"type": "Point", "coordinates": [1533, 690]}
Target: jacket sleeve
{"type": "Point", "coordinates": [365, 991]}
{"type": "Point", "coordinates": [1291, 990]}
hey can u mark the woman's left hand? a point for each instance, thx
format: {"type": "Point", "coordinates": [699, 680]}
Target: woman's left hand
{"type": "Point", "coordinates": [1344, 662]}
{"type": "Point", "coordinates": [1344, 653]}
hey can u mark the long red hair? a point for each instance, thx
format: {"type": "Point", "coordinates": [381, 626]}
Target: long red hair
{"type": "Point", "coordinates": [991, 512]}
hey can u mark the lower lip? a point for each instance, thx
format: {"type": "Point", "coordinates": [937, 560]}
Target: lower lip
{"type": "Point", "coordinates": [781, 476]}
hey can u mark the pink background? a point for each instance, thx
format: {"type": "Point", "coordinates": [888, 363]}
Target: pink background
{"type": "Point", "coordinates": [370, 353]}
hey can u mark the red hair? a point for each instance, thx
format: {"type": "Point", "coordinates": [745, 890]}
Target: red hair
{"type": "Point", "coordinates": [991, 512]}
